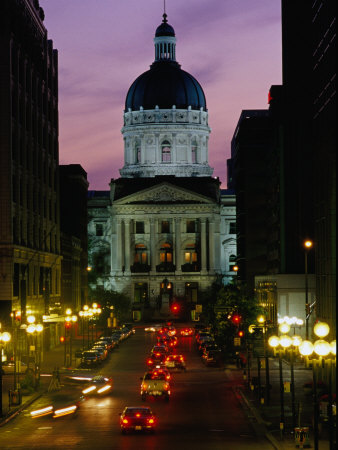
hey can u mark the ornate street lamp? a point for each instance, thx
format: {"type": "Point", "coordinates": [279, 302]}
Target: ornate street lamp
{"type": "Point", "coordinates": [4, 338]}
{"type": "Point", "coordinates": [34, 330]}
{"type": "Point", "coordinates": [307, 246]}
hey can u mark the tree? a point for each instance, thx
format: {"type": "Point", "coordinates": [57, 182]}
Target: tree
{"type": "Point", "coordinates": [109, 301]}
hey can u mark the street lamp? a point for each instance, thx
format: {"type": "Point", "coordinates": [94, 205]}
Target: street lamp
{"type": "Point", "coordinates": [323, 349]}
{"type": "Point", "coordinates": [34, 330]}
{"type": "Point", "coordinates": [4, 338]}
{"type": "Point", "coordinates": [69, 321]}
{"type": "Point", "coordinates": [307, 246]}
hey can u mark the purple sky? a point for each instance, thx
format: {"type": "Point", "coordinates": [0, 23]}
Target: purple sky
{"type": "Point", "coordinates": [232, 47]}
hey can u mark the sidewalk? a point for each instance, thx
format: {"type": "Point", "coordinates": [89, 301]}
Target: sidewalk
{"type": "Point", "coordinates": [268, 417]}
{"type": "Point", "coordinates": [52, 359]}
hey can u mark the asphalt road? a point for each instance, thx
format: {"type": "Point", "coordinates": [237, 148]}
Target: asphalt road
{"type": "Point", "coordinates": [204, 412]}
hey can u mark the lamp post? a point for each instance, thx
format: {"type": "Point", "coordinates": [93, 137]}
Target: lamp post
{"type": "Point", "coordinates": [34, 330]}
{"type": "Point", "coordinates": [69, 321]}
{"type": "Point", "coordinates": [322, 349]}
{"type": "Point", "coordinates": [4, 338]}
{"type": "Point", "coordinates": [307, 246]}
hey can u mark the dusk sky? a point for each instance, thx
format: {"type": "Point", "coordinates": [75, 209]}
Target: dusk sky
{"type": "Point", "coordinates": [232, 47]}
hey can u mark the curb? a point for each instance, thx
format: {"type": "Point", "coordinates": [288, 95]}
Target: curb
{"type": "Point", "coordinates": [260, 420]}
{"type": "Point", "coordinates": [12, 414]}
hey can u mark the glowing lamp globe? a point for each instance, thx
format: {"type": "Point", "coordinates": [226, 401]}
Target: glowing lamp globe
{"type": "Point", "coordinates": [333, 346]}
{"type": "Point", "coordinates": [321, 329]}
{"type": "Point", "coordinates": [306, 348]}
{"type": "Point", "coordinates": [39, 327]}
{"type": "Point", "coordinates": [285, 341]}
{"type": "Point", "coordinates": [273, 341]}
{"type": "Point", "coordinates": [296, 340]}
{"type": "Point", "coordinates": [322, 348]}
{"type": "Point", "coordinates": [31, 328]}
{"type": "Point", "coordinates": [5, 337]}
{"type": "Point", "coordinates": [284, 327]}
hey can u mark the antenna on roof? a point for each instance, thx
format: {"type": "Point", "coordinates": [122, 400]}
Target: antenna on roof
{"type": "Point", "coordinates": [164, 6]}
{"type": "Point", "coordinates": [164, 13]}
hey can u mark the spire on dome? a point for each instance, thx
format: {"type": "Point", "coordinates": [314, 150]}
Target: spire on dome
{"type": "Point", "coordinates": [165, 41]}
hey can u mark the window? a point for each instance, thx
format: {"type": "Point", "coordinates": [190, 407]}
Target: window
{"type": "Point", "coordinates": [190, 254]}
{"type": "Point", "coordinates": [232, 261]}
{"type": "Point", "coordinates": [138, 152]}
{"type": "Point", "coordinates": [139, 227]}
{"type": "Point", "coordinates": [166, 253]}
{"type": "Point", "coordinates": [191, 226]}
{"type": "Point", "coordinates": [166, 151]}
{"type": "Point", "coordinates": [141, 256]}
{"type": "Point", "coordinates": [194, 152]}
{"type": "Point", "coordinates": [99, 229]}
{"type": "Point", "coordinates": [141, 292]}
{"type": "Point", "coordinates": [165, 226]}
{"type": "Point", "coordinates": [232, 228]}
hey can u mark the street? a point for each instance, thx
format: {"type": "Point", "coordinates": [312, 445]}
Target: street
{"type": "Point", "coordinates": [203, 413]}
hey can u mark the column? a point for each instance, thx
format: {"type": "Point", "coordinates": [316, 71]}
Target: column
{"type": "Point", "coordinates": [119, 245]}
{"type": "Point", "coordinates": [173, 149]}
{"type": "Point", "coordinates": [153, 241]}
{"type": "Point", "coordinates": [178, 244]}
{"type": "Point", "coordinates": [127, 245]}
{"type": "Point", "coordinates": [211, 246]}
{"type": "Point", "coordinates": [157, 150]}
{"type": "Point", "coordinates": [203, 246]}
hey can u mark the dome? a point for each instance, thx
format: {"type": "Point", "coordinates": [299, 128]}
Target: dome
{"type": "Point", "coordinates": [165, 85]}
{"type": "Point", "coordinates": [164, 29]}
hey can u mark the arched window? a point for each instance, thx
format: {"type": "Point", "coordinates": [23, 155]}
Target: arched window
{"type": "Point", "coordinates": [194, 151]}
{"type": "Point", "coordinates": [137, 152]}
{"type": "Point", "coordinates": [166, 151]}
{"type": "Point", "coordinates": [166, 253]}
{"type": "Point", "coordinates": [141, 255]}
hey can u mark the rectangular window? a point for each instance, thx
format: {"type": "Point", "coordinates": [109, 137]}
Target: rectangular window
{"type": "Point", "coordinates": [191, 226]}
{"type": "Point", "coordinates": [139, 227]}
{"type": "Point", "coordinates": [232, 228]}
{"type": "Point", "coordinates": [99, 229]}
{"type": "Point", "coordinates": [165, 226]}
{"type": "Point", "coordinates": [16, 278]}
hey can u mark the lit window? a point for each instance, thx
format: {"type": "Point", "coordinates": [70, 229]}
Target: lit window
{"type": "Point", "coordinates": [141, 255]}
{"type": "Point", "coordinates": [190, 254]}
{"type": "Point", "coordinates": [166, 254]}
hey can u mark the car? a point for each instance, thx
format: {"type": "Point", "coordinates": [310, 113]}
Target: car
{"type": "Point", "coordinates": [160, 349]}
{"type": "Point", "coordinates": [155, 384]}
{"type": "Point", "coordinates": [8, 367]}
{"type": "Point", "coordinates": [212, 358]}
{"type": "Point", "coordinates": [159, 370]}
{"type": "Point", "coordinates": [90, 358]}
{"type": "Point", "coordinates": [175, 362]}
{"type": "Point", "coordinates": [152, 328]}
{"type": "Point", "coordinates": [137, 418]}
{"type": "Point", "coordinates": [186, 332]}
{"type": "Point", "coordinates": [205, 344]}
{"type": "Point", "coordinates": [130, 326]}
{"type": "Point", "coordinates": [101, 352]}
{"type": "Point", "coordinates": [156, 359]}
{"type": "Point", "coordinates": [98, 385]}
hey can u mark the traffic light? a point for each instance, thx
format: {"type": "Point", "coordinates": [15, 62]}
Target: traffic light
{"type": "Point", "coordinates": [16, 315]}
{"type": "Point", "coordinates": [62, 339]}
{"type": "Point", "coordinates": [175, 308]}
{"type": "Point", "coordinates": [67, 325]}
{"type": "Point", "coordinates": [236, 319]}
{"type": "Point", "coordinates": [240, 333]}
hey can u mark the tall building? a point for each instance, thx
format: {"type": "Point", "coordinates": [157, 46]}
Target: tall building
{"type": "Point", "coordinates": [74, 242]}
{"type": "Point", "coordinates": [168, 234]}
{"type": "Point", "coordinates": [30, 261]}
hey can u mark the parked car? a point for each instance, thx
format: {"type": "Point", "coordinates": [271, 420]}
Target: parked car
{"type": "Point", "coordinates": [90, 358]}
{"type": "Point", "coordinates": [137, 418]}
{"type": "Point", "coordinates": [212, 357]}
{"type": "Point", "coordinates": [8, 367]}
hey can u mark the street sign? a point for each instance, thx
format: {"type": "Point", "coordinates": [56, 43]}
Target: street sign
{"type": "Point", "coordinates": [198, 308]}
{"type": "Point", "coordinates": [287, 386]}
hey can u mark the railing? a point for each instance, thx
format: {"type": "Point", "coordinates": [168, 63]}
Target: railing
{"type": "Point", "coordinates": [190, 267]}
{"type": "Point", "coordinates": [139, 268]}
{"type": "Point", "coordinates": [165, 267]}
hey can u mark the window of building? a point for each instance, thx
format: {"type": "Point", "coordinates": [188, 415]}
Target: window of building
{"type": "Point", "coordinates": [190, 254]}
{"type": "Point", "coordinates": [166, 253]}
{"type": "Point", "coordinates": [194, 152]}
{"type": "Point", "coordinates": [165, 226]}
{"type": "Point", "coordinates": [16, 280]}
{"type": "Point", "coordinates": [191, 226]}
{"type": "Point", "coordinates": [232, 228]}
{"type": "Point", "coordinates": [138, 152]}
{"type": "Point", "coordinates": [166, 151]}
{"type": "Point", "coordinates": [232, 261]}
{"type": "Point", "coordinates": [141, 254]}
{"type": "Point", "coordinates": [191, 292]}
{"type": "Point", "coordinates": [140, 292]}
{"type": "Point", "coordinates": [139, 227]}
{"type": "Point", "coordinates": [99, 229]}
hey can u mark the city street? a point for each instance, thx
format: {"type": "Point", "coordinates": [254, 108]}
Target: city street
{"type": "Point", "coordinates": [203, 413]}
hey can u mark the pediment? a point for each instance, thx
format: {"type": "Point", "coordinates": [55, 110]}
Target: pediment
{"type": "Point", "coordinates": [164, 193]}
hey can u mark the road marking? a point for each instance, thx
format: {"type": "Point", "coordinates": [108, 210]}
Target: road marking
{"type": "Point", "coordinates": [45, 428]}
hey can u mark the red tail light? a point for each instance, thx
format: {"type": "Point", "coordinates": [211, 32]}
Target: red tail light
{"type": "Point", "coordinates": [138, 415]}
{"type": "Point", "coordinates": [125, 420]}
{"type": "Point", "coordinates": [150, 361]}
{"type": "Point", "coordinates": [151, 421]}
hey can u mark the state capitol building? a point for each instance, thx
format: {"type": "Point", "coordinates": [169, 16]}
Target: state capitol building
{"type": "Point", "coordinates": [165, 230]}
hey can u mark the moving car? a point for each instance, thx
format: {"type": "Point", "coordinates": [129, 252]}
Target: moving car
{"type": "Point", "coordinates": [186, 332]}
{"type": "Point", "coordinates": [175, 362]}
{"type": "Point", "coordinates": [155, 384]}
{"type": "Point", "coordinates": [98, 385]}
{"type": "Point", "coordinates": [152, 328]}
{"type": "Point", "coordinates": [137, 418]}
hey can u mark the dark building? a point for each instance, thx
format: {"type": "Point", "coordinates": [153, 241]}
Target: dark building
{"type": "Point", "coordinates": [74, 242]}
{"type": "Point", "coordinates": [30, 262]}
{"type": "Point", "coordinates": [309, 80]}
